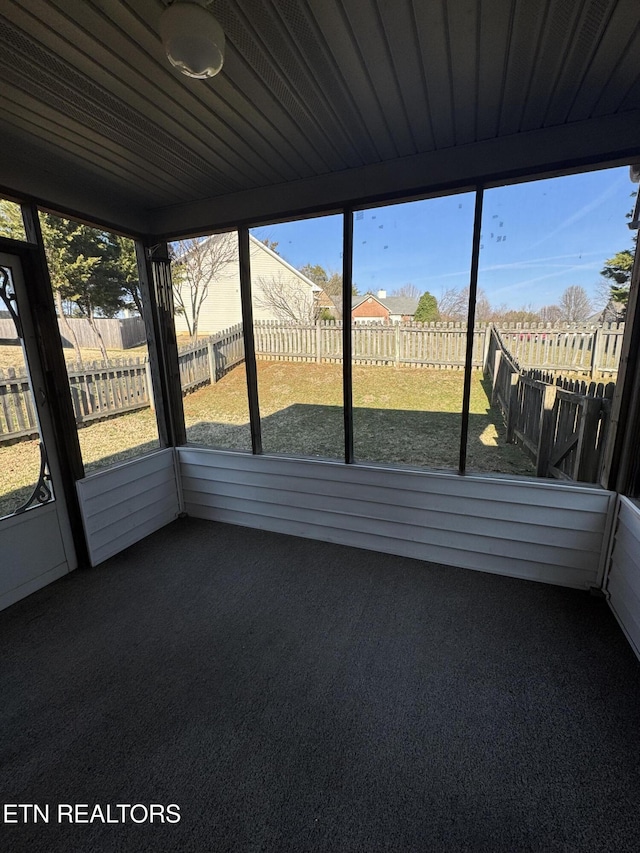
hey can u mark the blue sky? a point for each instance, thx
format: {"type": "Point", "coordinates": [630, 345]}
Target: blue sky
{"type": "Point", "coordinates": [537, 239]}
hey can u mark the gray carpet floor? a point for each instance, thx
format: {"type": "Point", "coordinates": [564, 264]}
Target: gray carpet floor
{"type": "Point", "coordinates": [291, 695]}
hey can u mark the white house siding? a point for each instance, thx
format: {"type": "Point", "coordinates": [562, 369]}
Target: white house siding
{"type": "Point", "coordinates": [33, 553]}
{"type": "Point", "coordinates": [222, 308]}
{"type": "Point", "coordinates": [623, 583]}
{"type": "Point", "coordinates": [539, 531]}
{"type": "Point", "coordinates": [125, 503]}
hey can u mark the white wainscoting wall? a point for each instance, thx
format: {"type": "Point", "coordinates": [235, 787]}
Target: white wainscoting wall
{"type": "Point", "coordinates": [541, 531]}
{"type": "Point", "coordinates": [127, 502]}
{"type": "Point", "coordinates": [623, 582]}
{"type": "Point", "coordinates": [33, 553]}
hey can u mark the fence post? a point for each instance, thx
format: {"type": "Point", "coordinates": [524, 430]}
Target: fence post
{"type": "Point", "coordinates": [396, 345]}
{"type": "Point", "coordinates": [485, 351]}
{"type": "Point", "coordinates": [545, 439]}
{"type": "Point", "coordinates": [496, 367]}
{"type": "Point", "coordinates": [318, 341]}
{"type": "Point", "coordinates": [512, 412]}
{"type": "Point", "coordinates": [211, 355]}
{"type": "Point", "coordinates": [147, 368]}
{"type": "Point", "coordinates": [595, 353]}
{"type": "Point", "coordinates": [586, 464]}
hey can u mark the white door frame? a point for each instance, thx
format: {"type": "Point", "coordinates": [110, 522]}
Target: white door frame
{"type": "Point", "coordinates": [36, 545]}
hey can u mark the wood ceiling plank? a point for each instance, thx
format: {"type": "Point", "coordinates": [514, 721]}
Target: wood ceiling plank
{"type": "Point", "coordinates": [40, 173]}
{"type": "Point", "coordinates": [623, 77]}
{"type": "Point", "coordinates": [561, 25]}
{"type": "Point", "coordinates": [271, 91]}
{"type": "Point", "coordinates": [496, 20]}
{"type": "Point", "coordinates": [368, 33]}
{"type": "Point", "coordinates": [278, 33]}
{"type": "Point", "coordinates": [632, 100]}
{"type": "Point", "coordinates": [332, 22]}
{"type": "Point", "coordinates": [41, 120]}
{"type": "Point", "coordinates": [433, 39]}
{"type": "Point", "coordinates": [527, 23]}
{"type": "Point", "coordinates": [110, 55]}
{"type": "Point", "coordinates": [76, 96]}
{"type": "Point", "coordinates": [621, 23]}
{"type": "Point", "coordinates": [463, 27]}
{"type": "Point", "coordinates": [316, 54]}
{"type": "Point", "coordinates": [78, 154]}
{"type": "Point", "coordinates": [582, 50]}
{"type": "Point", "coordinates": [400, 28]}
{"type": "Point", "coordinates": [611, 140]}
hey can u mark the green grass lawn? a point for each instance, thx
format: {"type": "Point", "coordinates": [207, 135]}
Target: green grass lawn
{"type": "Point", "coordinates": [401, 416]}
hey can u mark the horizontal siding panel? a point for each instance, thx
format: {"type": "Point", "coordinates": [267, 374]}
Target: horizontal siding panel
{"type": "Point", "coordinates": [401, 547]}
{"type": "Point", "coordinates": [545, 493]}
{"type": "Point", "coordinates": [401, 513]}
{"type": "Point", "coordinates": [124, 504]}
{"type": "Point", "coordinates": [126, 473]}
{"type": "Point", "coordinates": [626, 608]}
{"type": "Point", "coordinates": [489, 508]}
{"type": "Point", "coordinates": [144, 517]}
{"type": "Point", "coordinates": [492, 546]}
{"type": "Point", "coordinates": [136, 534]}
{"type": "Point", "coordinates": [623, 583]}
{"type": "Point", "coordinates": [627, 557]}
{"type": "Point", "coordinates": [137, 494]}
{"type": "Point", "coordinates": [443, 518]}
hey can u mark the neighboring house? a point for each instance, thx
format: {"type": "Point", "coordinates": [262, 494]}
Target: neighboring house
{"type": "Point", "coordinates": [613, 312]}
{"type": "Point", "coordinates": [280, 292]}
{"type": "Point", "coordinates": [382, 308]}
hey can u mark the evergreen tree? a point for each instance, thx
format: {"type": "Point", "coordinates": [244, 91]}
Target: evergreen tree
{"type": "Point", "coordinates": [427, 310]}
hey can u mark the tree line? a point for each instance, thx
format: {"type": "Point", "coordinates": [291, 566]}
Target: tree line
{"type": "Point", "coordinates": [93, 272]}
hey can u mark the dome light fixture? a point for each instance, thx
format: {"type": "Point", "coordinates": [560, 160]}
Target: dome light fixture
{"type": "Point", "coordinates": [193, 39]}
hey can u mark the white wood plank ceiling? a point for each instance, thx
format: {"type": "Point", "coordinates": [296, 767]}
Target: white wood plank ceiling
{"type": "Point", "coordinates": [93, 117]}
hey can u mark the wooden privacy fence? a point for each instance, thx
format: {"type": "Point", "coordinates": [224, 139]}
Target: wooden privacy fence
{"type": "Point", "coordinates": [560, 423]}
{"type": "Point", "coordinates": [589, 349]}
{"type": "Point", "coordinates": [98, 390]}
{"type": "Point", "coordinates": [399, 344]}
{"type": "Point", "coordinates": [567, 443]}
{"type": "Point", "coordinates": [209, 359]}
{"type": "Point", "coordinates": [594, 350]}
{"type": "Point", "coordinates": [117, 334]}
{"type": "Point", "coordinates": [17, 412]}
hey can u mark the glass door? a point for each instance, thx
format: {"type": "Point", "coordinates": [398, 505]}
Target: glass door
{"type": "Point", "coordinates": [35, 536]}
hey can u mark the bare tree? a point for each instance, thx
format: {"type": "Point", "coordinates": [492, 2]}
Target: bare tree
{"type": "Point", "coordinates": [575, 305]}
{"type": "Point", "coordinates": [410, 291]}
{"type": "Point", "coordinates": [198, 264]}
{"type": "Point", "coordinates": [454, 305]}
{"type": "Point", "coordinates": [288, 299]}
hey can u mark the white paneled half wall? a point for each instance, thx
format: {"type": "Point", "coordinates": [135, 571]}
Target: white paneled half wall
{"type": "Point", "coordinates": [543, 531]}
{"type": "Point", "coordinates": [623, 582]}
{"type": "Point", "coordinates": [127, 502]}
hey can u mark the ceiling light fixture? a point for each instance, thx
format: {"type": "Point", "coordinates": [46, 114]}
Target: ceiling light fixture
{"type": "Point", "coordinates": [193, 39]}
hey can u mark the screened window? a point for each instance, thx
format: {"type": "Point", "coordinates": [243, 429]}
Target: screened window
{"type": "Point", "coordinates": [208, 321]}
{"type": "Point", "coordinates": [296, 286]}
{"type": "Point", "coordinates": [99, 309]}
